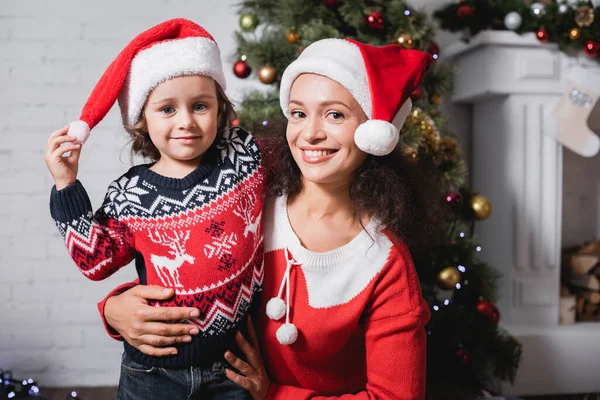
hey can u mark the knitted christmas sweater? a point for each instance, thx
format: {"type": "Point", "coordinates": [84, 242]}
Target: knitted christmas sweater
{"type": "Point", "coordinates": [358, 310]}
{"type": "Point", "coordinates": [359, 313]}
{"type": "Point", "coordinates": [200, 235]}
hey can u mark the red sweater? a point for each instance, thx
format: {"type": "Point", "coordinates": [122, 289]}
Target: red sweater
{"type": "Point", "coordinates": [359, 313]}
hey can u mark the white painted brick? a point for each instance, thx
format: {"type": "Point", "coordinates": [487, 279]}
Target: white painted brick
{"type": "Point", "coordinates": [24, 315]}
{"type": "Point", "coordinates": [97, 336]}
{"type": "Point", "coordinates": [5, 28]}
{"type": "Point", "coordinates": [38, 95]}
{"type": "Point", "coordinates": [116, 28]}
{"type": "Point", "coordinates": [24, 8]}
{"type": "Point", "coordinates": [109, 10]}
{"type": "Point", "coordinates": [66, 337]}
{"type": "Point", "coordinates": [21, 338]}
{"type": "Point", "coordinates": [12, 225]}
{"type": "Point", "coordinates": [90, 52]}
{"type": "Point", "coordinates": [23, 361]}
{"type": "Point", "coordinates": [56, 71]}
{"type": "Point", "coordinates": [31, 182]}
{"type": "Point", "coordinates": [20, 271]}
{"type": "Point", "coordinates": [45, 226]}
{"type": "Point", "coordinates": [31, 117]}
{"type": "Point", "coordinates": [79, 313]}
{"type": "Point", "coordinates": [22, 51]}
{"type": "Point", "coordinates": [42, 293]}
{"type": "Point", "coordinates": [31, 247]}
{"type": "Point", "coordinates": [4, 292]}
{"type": "Point", "coordinates": [45, 30]}
{"type": "Point", "coordinates": [68, 378]}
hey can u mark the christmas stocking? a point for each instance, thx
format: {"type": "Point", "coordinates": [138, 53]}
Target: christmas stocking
{"type": "Point", "coordinates": [573, 112]}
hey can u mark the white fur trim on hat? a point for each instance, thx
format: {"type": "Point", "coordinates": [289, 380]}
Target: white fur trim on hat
{"type": "Point", "coordinates": [163, 61]}
{"type": "Point", "coordinates": [336, 59]}
{"type": "Point", "coordinates": [376, 137]}
{"type": "Point", "coordinates": [80, 130]}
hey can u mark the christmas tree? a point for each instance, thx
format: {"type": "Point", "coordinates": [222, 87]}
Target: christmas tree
{"type": "Point", "coordinates": [467, 350]}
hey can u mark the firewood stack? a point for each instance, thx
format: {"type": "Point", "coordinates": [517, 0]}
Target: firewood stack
{"type": "Point", "coordinates": [581, 275]}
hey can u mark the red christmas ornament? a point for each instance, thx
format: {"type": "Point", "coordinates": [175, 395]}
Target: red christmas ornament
{"type": "Point", "coordinates": [463, 355]}
{"type": "Point", "coordinates": [464, 11]}
{"type": "Point", "coordinates": [235, 122]}
{"type": "Point", "coordinates": [591, 48]}
{"type": "Point", "coordinates": [488, 310]}
{"type": "Point", "coordinates": [241, 69]}
{"type": "Point", "coordinates": [433, 49]}
{"type": "Point", "coordinates": [542, 35]}
{"type": "Point", "coordinates": [454, 199]}
{"type": "Point", "coordinates": [375, 20]}
{"type": "Point", "coordinates": [332, 4]}
{"type": "Point", "coordinates": [416, 94]}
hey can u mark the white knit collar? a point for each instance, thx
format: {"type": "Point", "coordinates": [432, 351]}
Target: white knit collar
{"type": "Point", "coordinates": [283, 231]}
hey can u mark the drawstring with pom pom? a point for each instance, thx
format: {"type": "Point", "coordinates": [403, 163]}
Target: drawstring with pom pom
{"type": "Point", "coordinates": [276, 307]}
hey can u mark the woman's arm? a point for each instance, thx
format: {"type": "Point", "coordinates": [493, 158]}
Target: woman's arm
{"type": "Point", "coordinates": [127, 316]}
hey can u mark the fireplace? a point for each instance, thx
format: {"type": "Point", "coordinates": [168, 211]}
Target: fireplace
{"type": "Point", "coordinates": [543, 197]}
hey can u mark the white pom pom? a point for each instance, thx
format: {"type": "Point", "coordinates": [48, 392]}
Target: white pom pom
{"type": "Point", "coordinates": [376, 137]}
{"type": "Point", "coordinates": [276, 308]}
{"type": "Point", "coordinates": [287, 334]}
{"type": "Point", "coordinates": [80, 130]}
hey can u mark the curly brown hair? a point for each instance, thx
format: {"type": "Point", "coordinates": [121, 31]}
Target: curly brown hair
{"type": "Point", "coordinates": [401, 192]}
{"type": "Point", "coordinates": [142, 144]}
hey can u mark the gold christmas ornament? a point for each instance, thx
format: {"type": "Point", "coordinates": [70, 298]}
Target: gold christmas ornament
{"type": "Point", "coordinates": [248, 22]}
{"type": "Point", "coordinates": [574, 34]}
{"type": "Point", "coordinates": [481, 207]}
{"type": "Point", "coordinates": [405, 40]}
{"type": "Point", "coordinates": [267, 74]}
{"type": "Point", "coordinates": [449, 277]}
{"type": "Point", "coordinates": [584, 16]}
{"type": "Point", "coordinates": [293, 37]}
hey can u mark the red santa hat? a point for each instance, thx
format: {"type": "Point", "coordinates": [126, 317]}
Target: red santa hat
{"type": "Point", "coordinates": [381, 79]}
{"type": "Point", "coordinates": [176, 47]}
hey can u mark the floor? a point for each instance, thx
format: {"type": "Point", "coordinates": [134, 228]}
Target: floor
{"type": "Point", "coordinates": [110, 393]}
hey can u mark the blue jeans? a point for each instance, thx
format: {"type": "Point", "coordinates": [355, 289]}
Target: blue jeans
{"type": "Point", "coordinates": [139, 382]}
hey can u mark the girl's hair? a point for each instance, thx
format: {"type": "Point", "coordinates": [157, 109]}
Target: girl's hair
{"type": "Point", "coordinates": [142, 144]}
{"type": "Point", "coordinates": [401, 192]}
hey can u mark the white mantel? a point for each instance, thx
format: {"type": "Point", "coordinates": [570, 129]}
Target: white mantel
{"type": "Point", "coordinates": [514, 83]}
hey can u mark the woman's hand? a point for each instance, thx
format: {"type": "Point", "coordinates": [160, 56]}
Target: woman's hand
{"type": "Point", "coordinates": [63, 168]}
{"type": "Point", "coordinates": [254, 378]}
{"type": "Point", "coordinates": [145, 327]}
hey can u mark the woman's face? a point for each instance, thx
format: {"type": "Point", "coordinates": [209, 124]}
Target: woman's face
{"type": "Point", "coordinates": [320, 130]}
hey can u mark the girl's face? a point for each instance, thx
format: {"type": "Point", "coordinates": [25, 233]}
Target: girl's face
{"type": "Point", "coordinates": [182, 115]}
{"type": "Point", "coordinates": [320, 130]}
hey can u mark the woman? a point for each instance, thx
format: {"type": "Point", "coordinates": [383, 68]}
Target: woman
{"type": "Point", "coordinates": [342, 312]}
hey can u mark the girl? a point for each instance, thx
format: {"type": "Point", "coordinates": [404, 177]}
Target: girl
{"type": "Point", "coordinates": [342, 314]}
{"type": "Point", "coordinates": [191, 219]}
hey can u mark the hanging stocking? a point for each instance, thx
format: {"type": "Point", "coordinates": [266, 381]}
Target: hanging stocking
{"type": "Point", "coordinates": [573, 112]}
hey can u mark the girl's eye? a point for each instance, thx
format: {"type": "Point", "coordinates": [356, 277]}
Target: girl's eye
{"type": "Point", "coordinates": [199, 107]}
{"type": "Point", "coordinates": [336, 115]}
{"type": "Point", "coordinates": [297, 114]}
{"type": "Point", "coordinates": [167, 110]}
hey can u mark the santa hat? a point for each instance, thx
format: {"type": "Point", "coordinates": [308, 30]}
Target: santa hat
{"type": "Point", "coordinates": [381, 79]}
{"type": "Point", "coordinates": [173, 48]}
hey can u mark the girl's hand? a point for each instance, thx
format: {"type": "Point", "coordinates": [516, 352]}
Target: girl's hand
{"type": "Point", "coordinates": [254, 378]}
{"type": "Point", "coordinates": [145, 327]}
{"type": "Point", "coordinates": [63, 168]}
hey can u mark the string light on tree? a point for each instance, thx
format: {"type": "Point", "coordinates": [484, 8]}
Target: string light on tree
{"type": "Point", "coordinates": [591, 48]}
{"type": "Point", "coordinates": [538, 10]}
{"type": "Point", "coordinates": [542, 35]}
{"type": "Point", "coordinates": [454, 200]}
{"type": "Point", "coordinates": [434, 50]}
{"type": "Point", "coordinates": [574, 34]}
